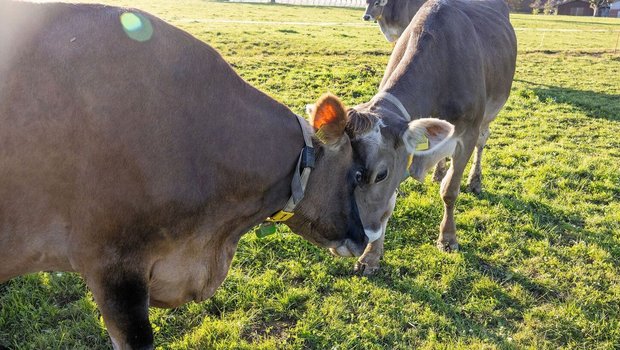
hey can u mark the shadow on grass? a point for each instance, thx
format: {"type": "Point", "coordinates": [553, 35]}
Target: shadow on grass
{"type": "Point", "coordinates": [559, 228]}
{"type": "Point", "coordinates": [566, 229]}
{"type": "Point", "coordinates": [593, 104]}
{"type": "Point", "coordinates": [450, 306]}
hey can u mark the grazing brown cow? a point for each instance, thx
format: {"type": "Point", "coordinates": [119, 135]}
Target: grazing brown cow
{"type": "Point", "coordinates": [455, 62]}
{"type": "Point", "coordinates": [132, 153]}
{"type": "Point", "coordinates": [394, 16]}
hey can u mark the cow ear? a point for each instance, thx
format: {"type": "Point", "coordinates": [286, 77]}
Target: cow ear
{"type": "Point", "coordinates": [438, 137]}
{"type": "Point", "coordinates": [431, 129]}
{"type": "Point", "coordinates": [329, 119]}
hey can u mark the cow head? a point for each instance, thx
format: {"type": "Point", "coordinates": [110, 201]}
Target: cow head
{"type": "Point", "coordinates": [375, 150]}
{"type": "Point", "coordinates": [374, 9]}
{"type": "Point", "coordinates": [328, 214]}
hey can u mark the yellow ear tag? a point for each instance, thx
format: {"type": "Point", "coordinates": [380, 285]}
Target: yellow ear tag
{"type": "Point", "coordinates": [320, 134]}
{"type": "Point", "coordinates": [422, 145]}
{"type": "Point", "coordinates": [409, 161]}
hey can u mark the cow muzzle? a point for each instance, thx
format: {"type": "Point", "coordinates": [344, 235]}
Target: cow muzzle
{"type": "Point", "coordinates": [375, 231]}
{"type": "Point", "coordinates": [373, 235]}
{"type": "Point", "coordinates": [366, 17]}
{"type": "Point", "coordinates": [348, 249]}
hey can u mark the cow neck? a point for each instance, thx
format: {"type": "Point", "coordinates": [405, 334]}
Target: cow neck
{"type": "Point", "coordinates": [303, 168]}
{"type": "Point", "coordinates": [384, 95]}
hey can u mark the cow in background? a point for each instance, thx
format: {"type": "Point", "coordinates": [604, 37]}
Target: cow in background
{"type": "Point", "coordinates": [394, 16]}
{"type": "Point", "coordinates": [456, 62]}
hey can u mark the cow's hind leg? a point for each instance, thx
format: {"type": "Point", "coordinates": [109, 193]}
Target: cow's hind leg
{"type": "Point", "coordinates": [474, 181]}
{"type": "Point", "coordinates": [123, 299]}
{"type": "Point", "coordinates": [450, 188]}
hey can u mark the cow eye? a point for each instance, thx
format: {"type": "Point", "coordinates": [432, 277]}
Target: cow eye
{"type": "Point", "coordinates": [359, 176]}
{"type": "Point", "coordinates": [376, 3]}
{"type": "Point", "coordinates": [381, 176]}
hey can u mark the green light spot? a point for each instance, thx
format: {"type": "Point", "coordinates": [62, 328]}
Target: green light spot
{"type": "Point", "coordinates": [136, 26]}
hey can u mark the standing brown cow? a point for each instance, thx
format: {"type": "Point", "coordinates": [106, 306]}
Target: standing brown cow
{"type": "Point", "coordinates": [132, 153]}
{"type": "Point", "coordinates": [455, 61]}
{"type": "Point", "coordinates": [394, 16]}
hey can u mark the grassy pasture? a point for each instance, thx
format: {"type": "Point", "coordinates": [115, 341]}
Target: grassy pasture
{"type": "Point", "coordinates": [540, 260]}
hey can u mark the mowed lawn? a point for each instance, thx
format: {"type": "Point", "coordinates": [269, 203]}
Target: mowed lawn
{"type": "Point", "coordinates": [539, 265]}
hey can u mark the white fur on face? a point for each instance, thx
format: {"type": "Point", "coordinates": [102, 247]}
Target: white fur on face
{"type": "Point", "coordinates": [373, 136]}
{"type": "Point", "coordinates": [343, 251]}
{"type": "Point", "coordinates": [115, 344]}
{"type": "Point", "coordinates": [373, 235]}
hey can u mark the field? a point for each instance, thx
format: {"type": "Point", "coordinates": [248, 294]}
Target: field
{"type": "Point", "coordinates": [539, 265]}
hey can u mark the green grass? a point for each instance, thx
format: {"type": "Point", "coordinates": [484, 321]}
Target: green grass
{"type": "Point", "coordinates": [540, 260]}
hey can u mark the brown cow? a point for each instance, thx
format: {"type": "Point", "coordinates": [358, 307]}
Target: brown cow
{"type": "Point", "coordinates": [455, 61]}
{"type": "Point", "coordinates": [132, 153]}
{"type": "Point", "coordinates": [394, 16]}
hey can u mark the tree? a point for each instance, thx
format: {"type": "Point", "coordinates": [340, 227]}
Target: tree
{"type": "Point", "coordinates": [598, 4]}
{"type": "Point", "coordinates": [537, 6]}
{"type": "Point", "coordinates": [519, 5]}
{"type": "Point", "coordinates": [547, 7]}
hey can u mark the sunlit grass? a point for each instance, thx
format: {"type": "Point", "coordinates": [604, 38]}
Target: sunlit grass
{"type": "Point", "coordinates": [539, 266]}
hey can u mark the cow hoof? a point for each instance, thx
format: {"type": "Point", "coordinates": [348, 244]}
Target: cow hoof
{"type": "Point", "coordinates": [366, 269]}
{"type": "Point", "coordinates": [474, 187]}
{"type": "Point", "coordinates": [448, 247]}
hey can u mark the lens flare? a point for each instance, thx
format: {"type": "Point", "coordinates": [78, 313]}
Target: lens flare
{"type": "Point", "coordinates": [136, 26]}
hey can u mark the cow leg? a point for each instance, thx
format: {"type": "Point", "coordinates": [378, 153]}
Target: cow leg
{"type": "Point", "coordinates": [450, 188]}
{"type": "Point", "coordinates": [123, 299]}
{"type": "Point", "coordinates": [474, 181]}
{"type": "Point", "coordinates": [368, 263]}
{"type": "Point", "coordinates": [440, 171]}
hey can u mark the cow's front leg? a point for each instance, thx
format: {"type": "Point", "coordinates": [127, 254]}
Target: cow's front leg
{"type": "Point", "coordinates": [123, 299]}
{"type": "Point", "coordinates": [450, 188]}
{"type": "Point", "coordinates": [369, 262]}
